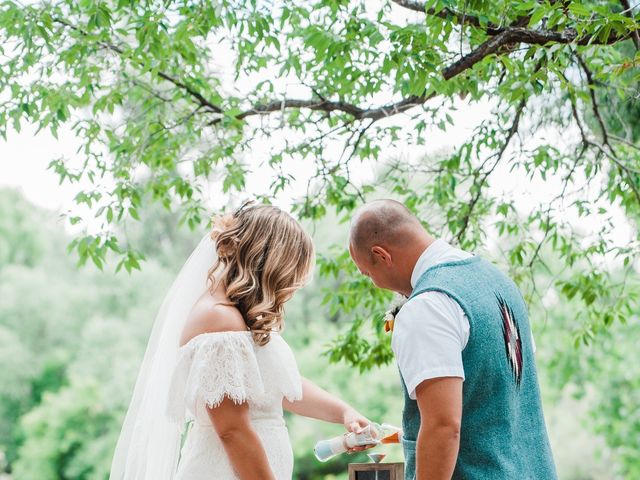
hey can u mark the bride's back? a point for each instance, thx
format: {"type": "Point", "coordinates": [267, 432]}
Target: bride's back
{"type": "Point", "coordinates": [222, 373]}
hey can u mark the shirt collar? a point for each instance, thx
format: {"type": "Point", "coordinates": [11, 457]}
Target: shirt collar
{"type": "Point", "coordinates": [428, 259]}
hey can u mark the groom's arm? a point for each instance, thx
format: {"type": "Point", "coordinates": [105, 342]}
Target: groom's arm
{"type": "Point", "coordinates": [440, 404]}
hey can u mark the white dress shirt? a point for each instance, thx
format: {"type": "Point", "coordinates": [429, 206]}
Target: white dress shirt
{"type": "Point", "coordinates": [431, 330]}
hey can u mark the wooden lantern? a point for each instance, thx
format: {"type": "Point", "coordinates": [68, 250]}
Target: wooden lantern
{"type": "Point", "coordinates": [376, 471]}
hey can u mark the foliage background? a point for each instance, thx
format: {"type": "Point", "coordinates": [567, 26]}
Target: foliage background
{"type": "Point", "coordinates": [180, 106]}
{"type": "Point", "coordinates": [72, 340]}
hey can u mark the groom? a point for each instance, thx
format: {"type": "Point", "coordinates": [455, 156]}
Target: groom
{"type": "Point", "coordinates": [464, 350]}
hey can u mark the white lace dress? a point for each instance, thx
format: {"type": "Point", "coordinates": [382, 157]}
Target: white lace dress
{"type": "Point", "coordinates": [214, 365]}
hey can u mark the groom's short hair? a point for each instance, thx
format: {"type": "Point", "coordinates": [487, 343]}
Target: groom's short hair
{"type": "Point", "coordinates": [381, 222]}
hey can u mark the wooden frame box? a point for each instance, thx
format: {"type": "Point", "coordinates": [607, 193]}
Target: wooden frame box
{"type": "Point", "coordinates": [376, 471]}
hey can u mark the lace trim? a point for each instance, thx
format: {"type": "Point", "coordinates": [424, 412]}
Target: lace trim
{"type": "Point", "coordinates": [212, 366]}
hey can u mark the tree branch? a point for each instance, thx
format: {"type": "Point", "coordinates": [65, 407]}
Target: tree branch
{"type": "Point", "coordinates": [560, 196]}
{"type": "Point", "coordinates": [498, 156]}
{"type": "Point", "coordinates": [201, 100]}
{"type": "Point", "coordinates": [449, 14]}
{"type": "Point", "coordinates": [277, 105]}
{"type": "Point", "coordinates": [469, 60]}
{"type": "Point", "coordinates": [500, 37]}
{"type": "Point", "coordinates": [361, 133]}
{"type": "Point", "coordinates": [628, 11]}
{"type": "Point", "coordinates": [515, 32]}
{"type": "Point", "coordinates": [623, 169]}
{"type": "Point", "coordinates": [594, 103]}
{"type": "Point", "coordinates": [511, 35]}
{"type": "Point", "coordinates": [358, 113]}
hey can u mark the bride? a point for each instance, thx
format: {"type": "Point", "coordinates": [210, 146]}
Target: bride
{"type": "Point", "coordinates": [216, 376]}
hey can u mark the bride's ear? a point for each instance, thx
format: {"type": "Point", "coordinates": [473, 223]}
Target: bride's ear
{"type": "Point", "coordinates": [382, 255]}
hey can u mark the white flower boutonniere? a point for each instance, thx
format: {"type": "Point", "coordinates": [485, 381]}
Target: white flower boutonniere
{"type": "Point", "coordinates": [390, 315]}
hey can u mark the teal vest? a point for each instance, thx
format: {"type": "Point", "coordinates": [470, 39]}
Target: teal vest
{"type": "Point", "coordinates": [503, 434]}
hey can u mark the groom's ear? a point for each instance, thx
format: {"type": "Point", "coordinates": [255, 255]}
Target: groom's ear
{"type": "Point", "coordinates": [381, 254]}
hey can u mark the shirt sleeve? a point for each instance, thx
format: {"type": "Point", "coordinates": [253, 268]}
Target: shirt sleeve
{"type": "Point", "coordinates": [430, 332]}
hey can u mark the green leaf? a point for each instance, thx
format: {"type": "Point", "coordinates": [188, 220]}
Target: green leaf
{"type": "Point", "coordinates": [579, 10]}
{"type": "Point", "coordinates": [537, 15]}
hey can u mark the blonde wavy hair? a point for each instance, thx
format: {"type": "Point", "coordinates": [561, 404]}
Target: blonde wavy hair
{"type": "Point", "coordinates": [264, 256]}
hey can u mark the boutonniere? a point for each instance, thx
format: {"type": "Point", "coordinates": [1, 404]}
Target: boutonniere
{"type": "Point", "coordinates": [390, 315]}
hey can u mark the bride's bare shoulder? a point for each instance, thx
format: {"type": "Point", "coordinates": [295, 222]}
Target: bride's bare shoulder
{"type": "Point", "coordinates": [211, 318]}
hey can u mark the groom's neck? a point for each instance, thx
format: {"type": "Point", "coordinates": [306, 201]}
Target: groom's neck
{"type": "Point", "coordinates": [409, 258]}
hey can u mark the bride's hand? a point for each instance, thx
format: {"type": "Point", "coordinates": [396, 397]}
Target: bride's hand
{"type": "Point", "coordinates": [355, 422]}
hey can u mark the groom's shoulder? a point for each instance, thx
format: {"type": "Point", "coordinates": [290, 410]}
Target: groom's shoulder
{"type": "Point", "coordinates": [213, 319]}
{"type": "Point", "coordinates": [429, 304]}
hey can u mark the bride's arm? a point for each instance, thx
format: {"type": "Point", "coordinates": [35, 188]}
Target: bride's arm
{"type": "Point", "coordinates": [320, 404]}
{"type": "Point", "coordinates": [241, 443]}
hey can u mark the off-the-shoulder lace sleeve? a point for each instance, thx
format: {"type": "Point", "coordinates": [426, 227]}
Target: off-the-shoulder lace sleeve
{"type": "Point", "coordinates": [210, 367]}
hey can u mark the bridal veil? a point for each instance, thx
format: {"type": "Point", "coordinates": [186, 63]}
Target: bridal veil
{"type": "Point", "coordinates": [149, 442]}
